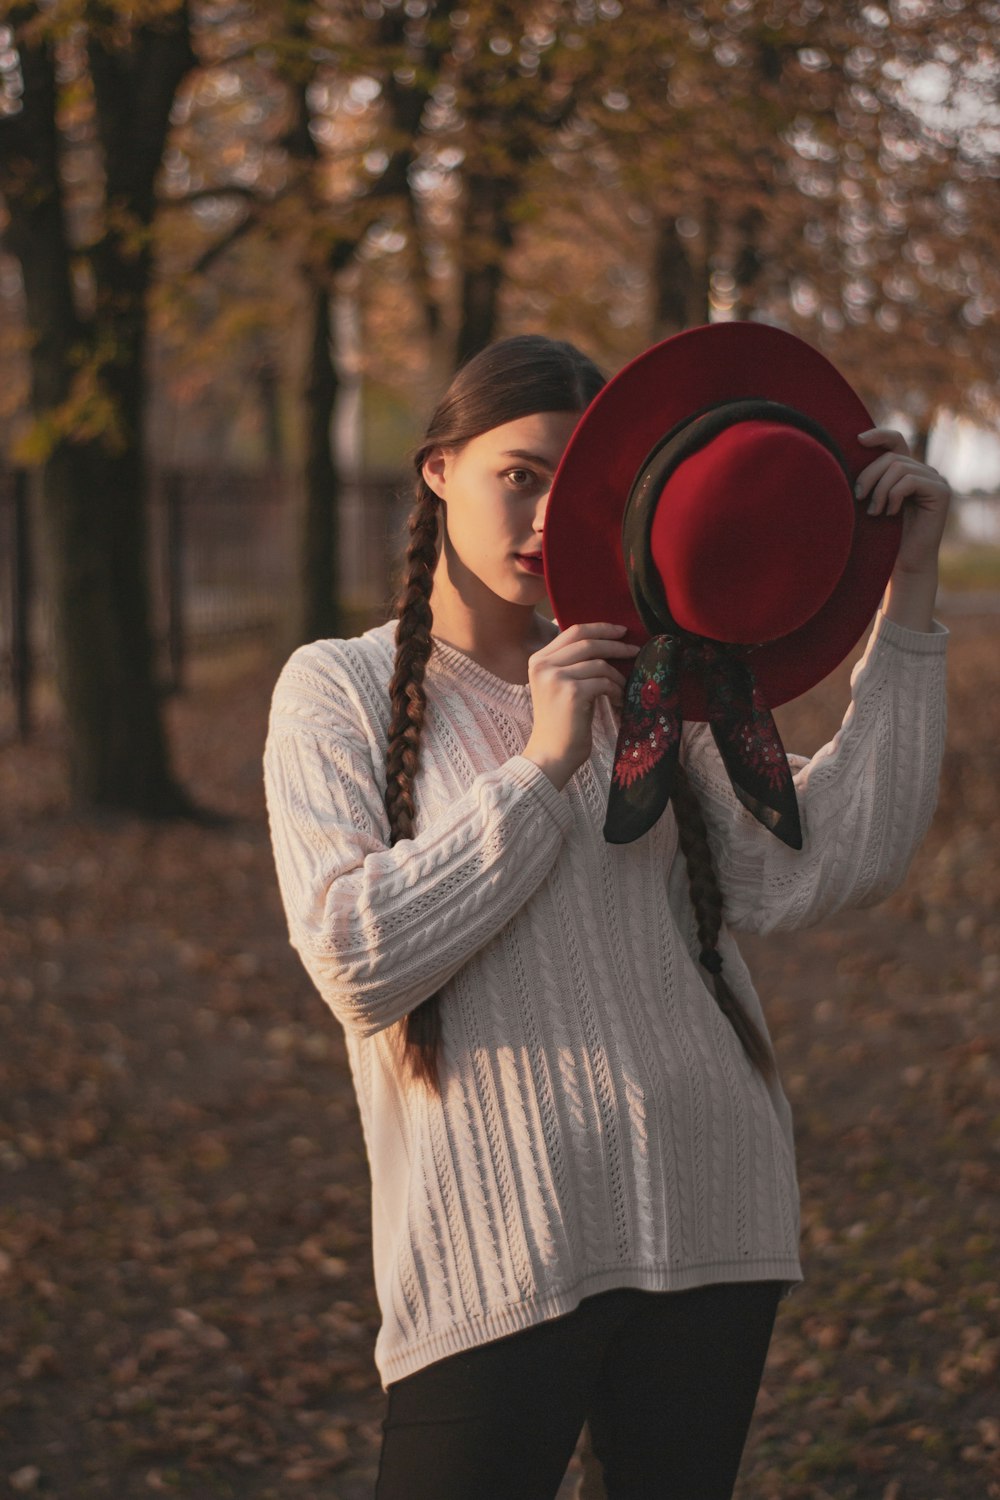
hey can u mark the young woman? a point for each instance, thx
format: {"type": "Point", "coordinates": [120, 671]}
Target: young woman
{"type": "Point", "coordinates": [584, 1195]}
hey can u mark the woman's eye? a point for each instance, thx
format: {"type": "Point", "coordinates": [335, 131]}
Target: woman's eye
{"type": "Point", "coordinates": [519, 478]}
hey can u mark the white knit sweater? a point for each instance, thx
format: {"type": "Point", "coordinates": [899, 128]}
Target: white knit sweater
{"type": "Point", "coordinates": [598, 1125]}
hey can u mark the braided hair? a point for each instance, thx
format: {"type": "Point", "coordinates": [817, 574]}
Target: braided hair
{"type": "Point", "coordinates": [706, 898]}
{"type": "Point", "coordinates": [422, 1027]}
{"type": "Point", "coordinates": [512, 378]}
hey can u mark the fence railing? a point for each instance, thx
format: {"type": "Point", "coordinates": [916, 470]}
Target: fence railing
{"type": "Point", "coordinates": [224, 565]}
{"type": "Point", "coordinates": [222, 559]}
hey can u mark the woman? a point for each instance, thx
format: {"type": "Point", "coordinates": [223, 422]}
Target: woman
{"type": "Point", "coordinates": [584, 1196]}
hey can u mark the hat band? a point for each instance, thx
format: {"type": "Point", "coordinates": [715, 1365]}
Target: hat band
{"type": "Point", "coordinates": [686, 438]}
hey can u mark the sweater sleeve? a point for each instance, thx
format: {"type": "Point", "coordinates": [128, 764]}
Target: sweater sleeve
{"type": "Point", "coordinates": [865, 799]}
{"type": "Point", "coordinates": [379, 928]}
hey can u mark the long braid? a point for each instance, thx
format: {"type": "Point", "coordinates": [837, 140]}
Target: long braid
{"type": "Point", "coordinates": [408, 700]}
{"type": "Point", "coordinates": [512, 378]}
{"type": "Point", "coordinates": [706, 898]}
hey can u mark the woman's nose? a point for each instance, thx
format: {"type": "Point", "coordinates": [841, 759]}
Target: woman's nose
{"type": "Point", "coordinates": [540, 510]}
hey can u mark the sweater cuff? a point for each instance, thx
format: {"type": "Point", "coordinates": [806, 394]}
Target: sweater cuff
{"type": "Point", "coordinates": [524, 773]}
{"type": "Point", "coordinates": [914, 642]}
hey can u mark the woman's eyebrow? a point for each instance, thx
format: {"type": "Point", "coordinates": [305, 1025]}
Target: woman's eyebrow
{"type": "Point", "coordinates": [530, 458]}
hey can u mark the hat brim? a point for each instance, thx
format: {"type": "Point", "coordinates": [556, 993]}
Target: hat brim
{"type": "Point", "coordinates": [584, 565]}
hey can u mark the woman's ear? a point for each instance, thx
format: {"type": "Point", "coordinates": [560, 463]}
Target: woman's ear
{"type": "Point", "coordinates": [434, 470]}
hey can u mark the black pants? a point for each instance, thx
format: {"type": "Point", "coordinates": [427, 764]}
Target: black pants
{"type": "Point", "coordinates": [667, 1381]}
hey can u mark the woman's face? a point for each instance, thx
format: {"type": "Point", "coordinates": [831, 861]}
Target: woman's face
{"type": "Point", "coordinates": [496, 489]}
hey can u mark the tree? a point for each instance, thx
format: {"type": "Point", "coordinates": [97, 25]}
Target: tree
{"type": "Point", "coordinates": [338, 74]}
{"type": "Point", "coordinates": [885, 259]}
{"type": "Point", "coordinates": [338, 232]}
{"type": "Point", "coordinates": [104, 84]}
{"type": "Point", "coordinates": [371, 101]}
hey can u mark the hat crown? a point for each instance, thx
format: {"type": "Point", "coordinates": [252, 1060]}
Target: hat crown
{"type": "Point", "coordinates": [751, 532]}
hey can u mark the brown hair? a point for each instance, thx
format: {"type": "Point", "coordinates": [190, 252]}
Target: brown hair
{"type": "Point", "coordinates": [512, 378]}
{"type": "Point", "coordinates": [706, 898]}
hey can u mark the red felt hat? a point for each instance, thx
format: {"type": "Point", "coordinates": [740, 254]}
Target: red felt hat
{"type": "Point", "coordinates": [729, 452]}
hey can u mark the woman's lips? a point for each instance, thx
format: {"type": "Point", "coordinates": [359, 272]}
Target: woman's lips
{"type": "Point", "coordinates": [532, 561]}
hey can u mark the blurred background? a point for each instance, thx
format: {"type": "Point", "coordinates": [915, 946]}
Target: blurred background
{"type": "Point", "coordinates": [245, 244]}
{"type": "Point", "coordinates": [242, 247]}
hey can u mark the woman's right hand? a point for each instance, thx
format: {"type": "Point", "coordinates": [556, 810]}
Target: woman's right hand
{"type": "Point", "coordinates": [566, 677]}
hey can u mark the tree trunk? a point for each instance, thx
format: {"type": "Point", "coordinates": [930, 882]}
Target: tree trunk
{"type": "Point", "coordinates": [96, 521]}
{"type": "Point", "coordinates": [320, 613]}
{"type": "Point", "coordinates": [320, 550]}
{"type": "Point", "coordinates": [748, 265]}
{"type": "Point", "coordinates": [94, 485]}
{"type": "Point", "coordinates": [680, 288]}
{"type": "Point", "coordinates": [95, 524]}
{"type": "Point", "coordinates": [269, 395]}
{"type": "Point", "coordinates": [486, 237]}
{"type": "Point", "coordinates": [922, 436]}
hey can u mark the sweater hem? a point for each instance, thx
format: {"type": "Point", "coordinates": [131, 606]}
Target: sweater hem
{"type": "Point", "coordinates": [515, 1317]}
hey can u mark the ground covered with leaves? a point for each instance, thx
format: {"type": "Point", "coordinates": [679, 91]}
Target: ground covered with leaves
{"type": "Point", "coordinates": [185, 1293]}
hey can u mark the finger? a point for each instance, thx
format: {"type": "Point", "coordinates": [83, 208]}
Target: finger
{"type": "Point", "coordinates": [565, 653]}
{"type": "Point", "coordinates": [589, 631]}
{"type": "Point", "coordinates": [600, 687]}
{"type": "Point", "coordinates": [896, 471]}
{"type": "Point", "coordinates": [885, 437]}
{"type": "Point", "coordinates": [918, 487]}
{"type": "Point", "coordinates": [907, 486]}
{"type": "Point", "coordinates": [919, 481]}
{"type": "Point", "coordinates": [902, 487]}
{"type": "Point", "coordinates": [586, 671]}
{"type": "Point", "coordinates": [870, 475]}
{"type": "Point", "coordinates": [868, 480]}
{"type": "Point", "coordinates": [582, 632]}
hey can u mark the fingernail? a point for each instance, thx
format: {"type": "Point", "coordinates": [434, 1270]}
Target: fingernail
{"type": "Point", "coordinates": [859, 490]}
{"type": "Point", "coordinates": [873, 509]}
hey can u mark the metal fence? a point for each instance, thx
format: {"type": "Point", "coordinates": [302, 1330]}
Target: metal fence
{"type": "Point", "coordinates": [224, 565]}
{"type": "Point", "coordinates": [220, 555]}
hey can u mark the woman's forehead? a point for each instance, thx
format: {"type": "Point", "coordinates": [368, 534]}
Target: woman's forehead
{"type": "Point", "coordinates": [538, 436]}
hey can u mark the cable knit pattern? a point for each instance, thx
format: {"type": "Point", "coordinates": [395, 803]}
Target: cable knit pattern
{"type": "Point", "coordinates": [598, 1124]}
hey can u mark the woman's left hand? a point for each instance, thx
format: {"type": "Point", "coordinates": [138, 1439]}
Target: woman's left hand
{"type": "Point", "coordinates": [894, 481]}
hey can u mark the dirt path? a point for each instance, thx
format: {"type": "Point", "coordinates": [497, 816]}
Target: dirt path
{"type": "Point", "coordinates": [187, 1304]}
